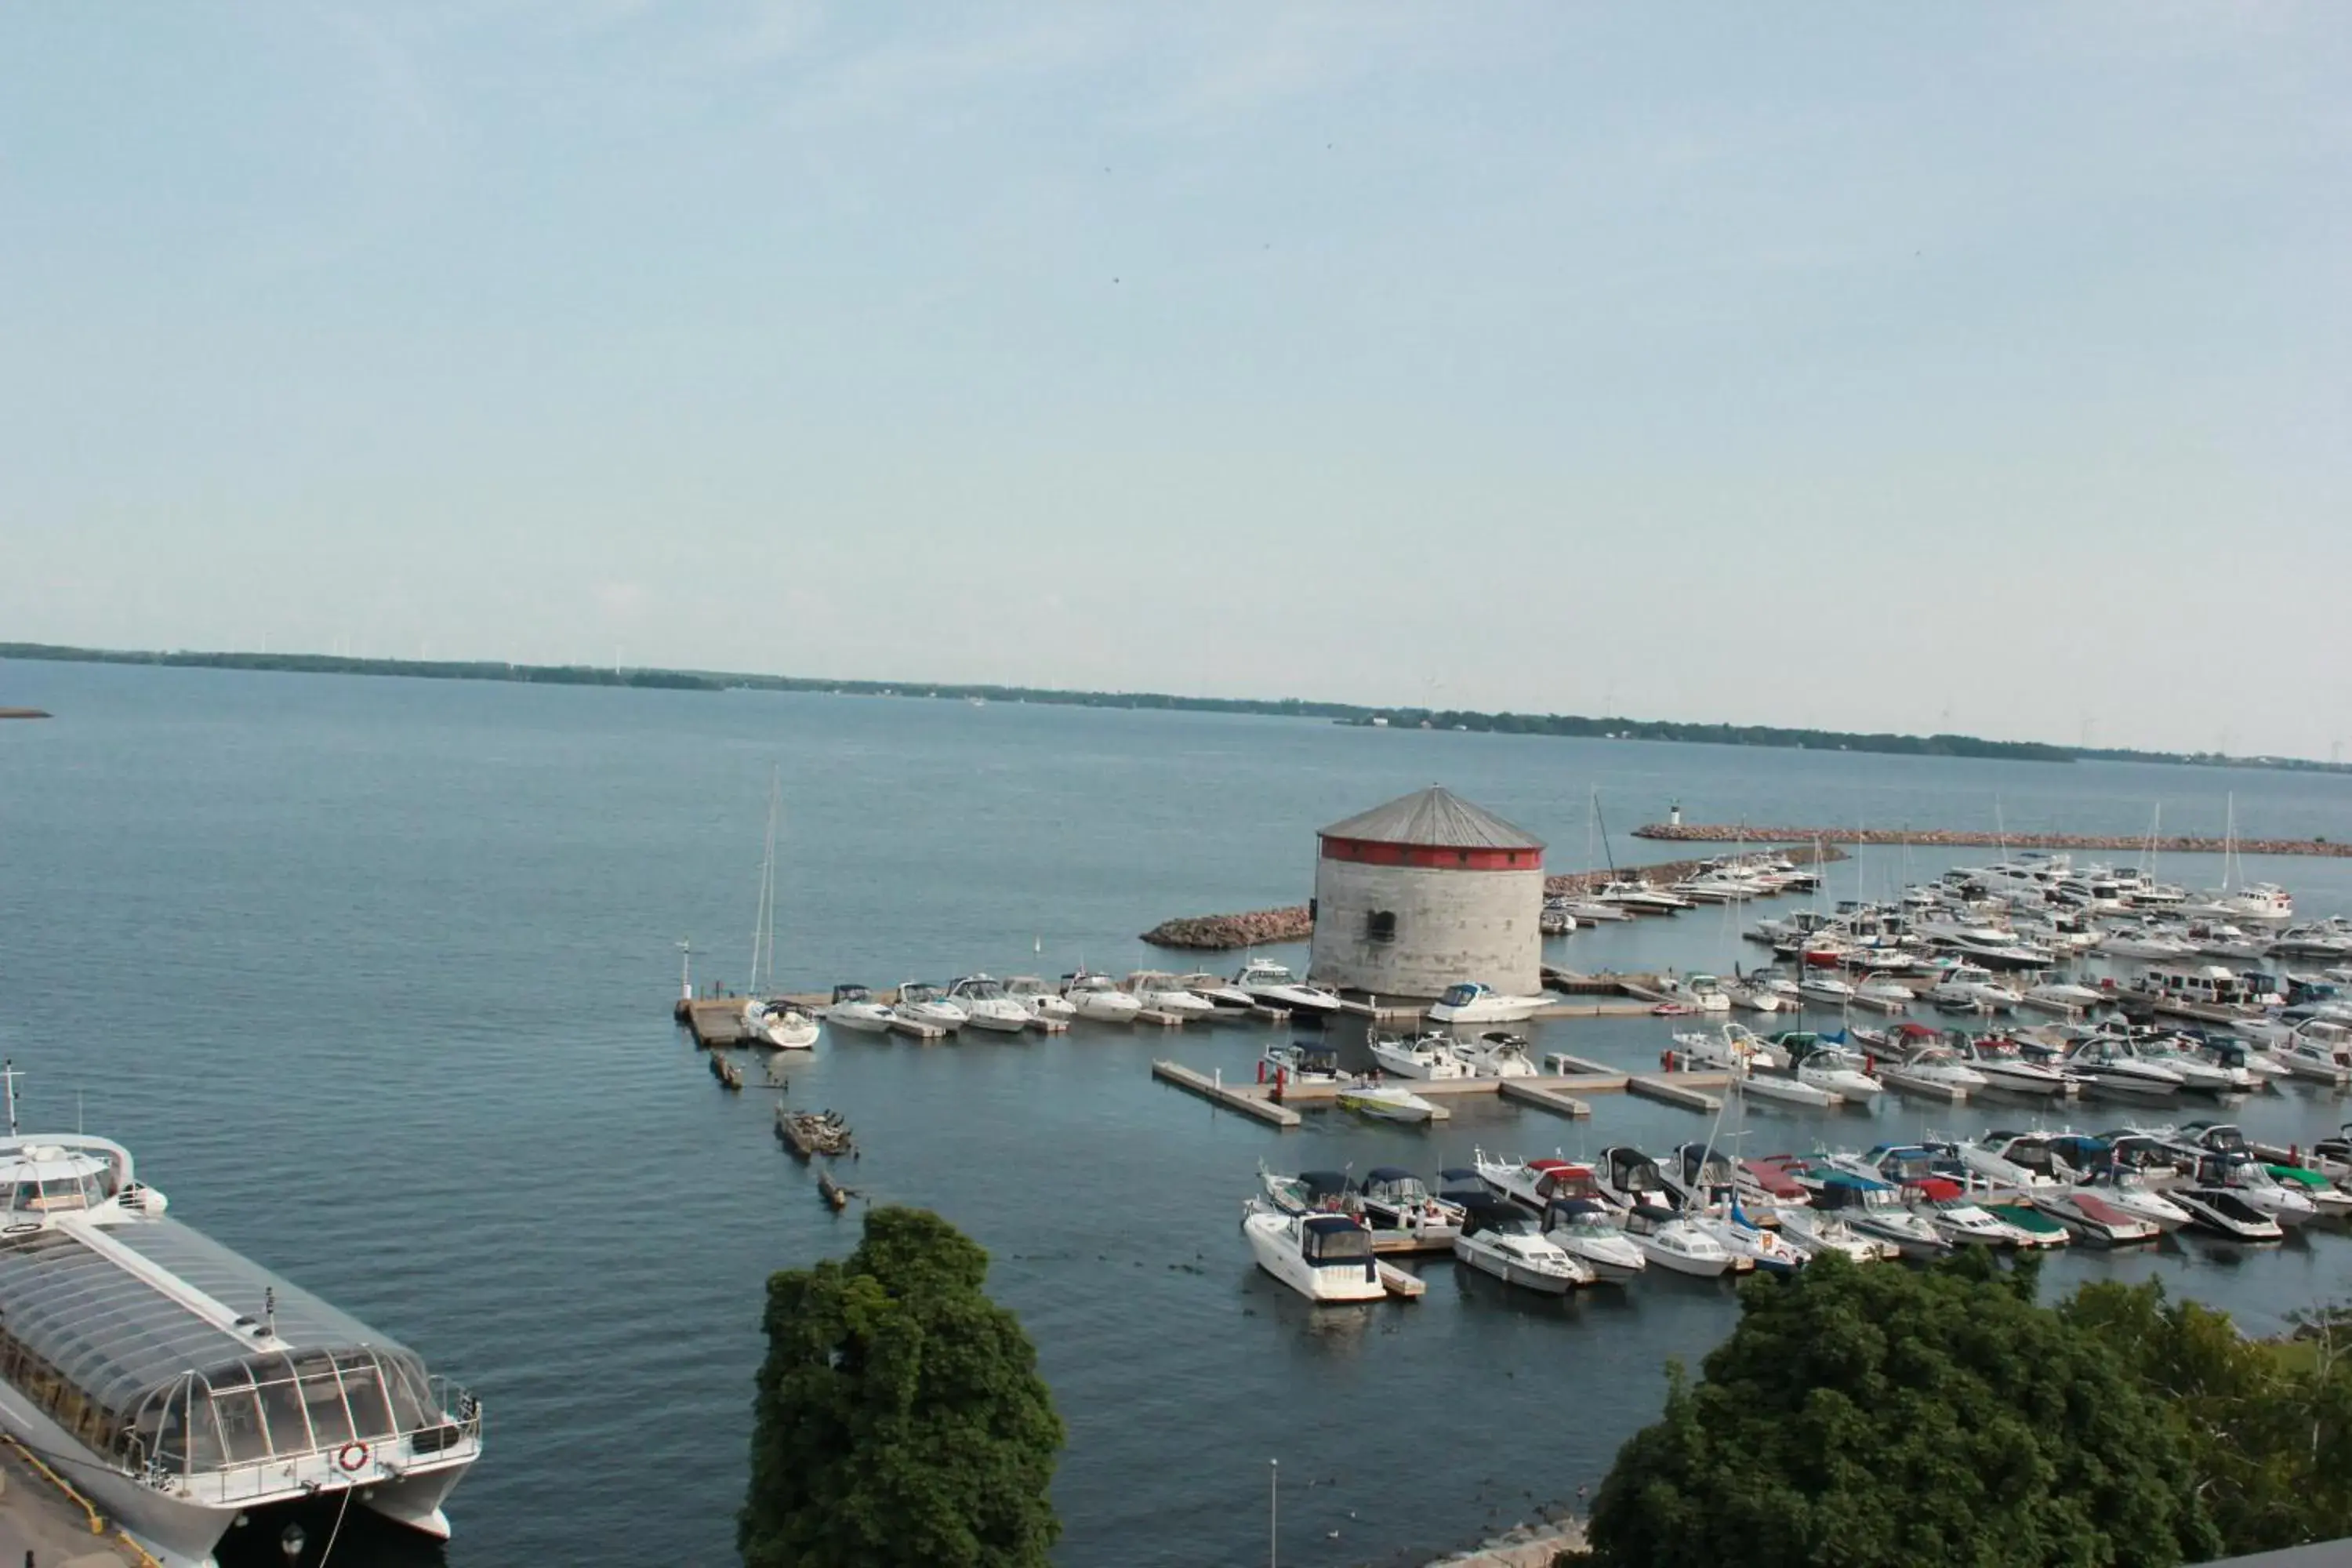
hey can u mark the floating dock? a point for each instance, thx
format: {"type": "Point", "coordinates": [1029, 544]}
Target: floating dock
{"type": "Point", "coordinates": [1558, 1093]}
{"type": "Point", "coordinates": [1249, 1100]}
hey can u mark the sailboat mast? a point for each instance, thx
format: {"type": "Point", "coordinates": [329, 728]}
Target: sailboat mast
{"type": "Point", "coordinates": [763, 927]}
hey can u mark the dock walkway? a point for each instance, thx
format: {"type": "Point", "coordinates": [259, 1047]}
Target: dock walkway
{"type": "Point", "coordinates": [1560, 1093]}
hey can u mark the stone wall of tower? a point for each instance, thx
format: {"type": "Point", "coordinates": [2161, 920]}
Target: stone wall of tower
{"type": "Point", "coordinates": [1447, 926]}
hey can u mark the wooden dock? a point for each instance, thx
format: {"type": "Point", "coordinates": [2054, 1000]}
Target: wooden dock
{"type": "Point", "coordinates": [1560, 1093]}
{"type": "Point", "coordinates": [1249, 1100]}
{"type": "Point", "coordinates": [1683, 1088]}
{"type": "Point", "coordinates": [713, 1020]}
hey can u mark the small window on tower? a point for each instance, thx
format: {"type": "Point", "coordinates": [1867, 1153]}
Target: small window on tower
{"type": "Point", "coordinates": [1381, 926]}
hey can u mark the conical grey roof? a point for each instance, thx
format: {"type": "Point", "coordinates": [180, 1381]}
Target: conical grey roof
{"type": "Point", "coordinates": [1436, 816]}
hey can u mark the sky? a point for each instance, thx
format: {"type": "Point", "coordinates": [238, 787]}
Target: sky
{"type": "Point", "coordinates": [1979, 368]}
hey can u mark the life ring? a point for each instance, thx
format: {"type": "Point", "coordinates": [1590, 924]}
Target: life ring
{"type": "Point", "coordinates": [350, 1457]}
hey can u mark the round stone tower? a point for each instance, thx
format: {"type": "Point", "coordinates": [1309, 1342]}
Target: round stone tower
{"type": "Point", "coordinates": [1425, 892]}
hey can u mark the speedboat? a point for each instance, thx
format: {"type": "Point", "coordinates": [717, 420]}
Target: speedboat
{"type": "Point", "coordinates": [2197, 1074]}
{"type": "Point", "coordinates": [1594, 1235]}
{"type": "Point", "coordinates": [1683, 1247]}
{"type": "Point", "coordinates": [1390, 1103]}
{"type": "Point", "coordinates": [1816, 1232]}
{"type": "Point", "coordinates": [986, 1006]}
{"type": "Point", "coordinates": [1966, 1225]}
{"type": "Point", "coordinates": [2005, 1066]}
{"type": "Point", "coordinates": [1732, 1047]}
{"type": "Point", "coordinates": [1299, 1062]}
{"type": "Point", "coordinates": [1308, 1191]}
{"type": "Point", "coordinates": [854, 1007]}
{"type": "Point", "coordinates": [1428, 1057]}
{"type": "Point", "coordinates": [1697, 1174]}
{"type": "Point", "coordinates": [1841, 1070]}
{"type": "Point", "coordinates": [1701, 993]}
{"type": "Point", "coordinates": [1643, 899]}
{"type": "Point", "coordinates": [2331, 1200]}
{"type": "Point", "coordinates": [1219, 993]}
{"type": "Point", "coordinates": [1785, 1090]}
{"type": "Point", "coordinates": [1391, 1198]}
{"type": "Point", "coordinates": [1497, 1239]}
{"type": "Point", "coordinates": [1496, 1055]}
{"type": "Point", "coordinates": [1156, 991]}
{"type": "Point", "coordinates": [2218, 1211]}
{"type": "Point", "coordinates": [1747, 1241]}
{"type": "Point", "coordinates": [2022, 1160]}
{"type": "Point", "coordinates": [2147, 941]}
{"type": "Point", "coordinates": [1041, 999]}
{"type": "Point", "coordinates": [2254, 1184]}
{"type": "Point", "coordinates": [2317, 1049]}
{"type": "Point", "coordinates": [1094, 996]}
{"type": "Point", "coordinates": [2095, 1218]}
{"type": "Point", "coordinates": [2128, 1191]}
{"type": "Point", "coordinates": [183, 1386]}
{"type": "Point", "coordinates": [1935, 1070]}
{"type": "Point", "coordinates": [1883, 991]}
{"type": "Point", "coordinates": [1820, 985]}
{"type": "Point", "coordinates": [1536, 1185]}
{"type": "Point", "coordinates": [921, 1004]}
{"type": "Point", "coordinates": [1264, 981]}
{"type": "Point", "coordinates": [2111, 1063]}
{"type": "Point", "coordinates": [1876, 1210]}
{"type": "Point", "coordinates": [1755, 998]}
{"type": "Point", "coordinates": [1323, 1257]}
{"type": "Point", "coordinates": [2063, 998]}
{"type": "Point", "coordinates": [1474, 1002]}
{"type": "Point", "coordinates": [780, 1024]}
{"type": "Point", "coordinates": [1632, 1182]}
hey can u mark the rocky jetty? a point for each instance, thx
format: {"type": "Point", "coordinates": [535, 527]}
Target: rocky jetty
{"type": "Point", "coordinates": [1730, 833]}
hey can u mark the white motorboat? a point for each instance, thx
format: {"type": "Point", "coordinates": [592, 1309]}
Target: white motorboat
{"type": "Point", "coordinates": [2252, 1182]}
{"type": "Point", "coordinates": [2005, 1066]}
{"type": "Point", "coordinates": [1965, 1224]}
{"type": "Point", "coordinates": [1631, 1180]}
{"type": "Point", "coordinates": [1497, 1239]}
{"type": "Point", "coordinates": [1816, 1232]}
{"type": "Point", "coordinates": [183, 1386]}
{"type": "Point", "coordinates": [1683, 1247]}
{"type": "Point", "coordinates": [2217, 1211]}
{"type": "Point", "coordinates": [921, 1004]}
{"type": "Point", "coordinates": [1095, 997]}
{"type": "Point", "coordinates": [1428, 1056]}
{"type": "Point", "coordinates": [2317, 1049]}
{"type": "Point", "coordinates": [854, 1007]}
{"type": "Point", "coordinates": [1324, 1257]}
{"type": "Point", "coordinates": [2197, 1074]}
{"type": "Point", "coordinates": [1218, 992]}
{"type": "Point", "coordinates": [1883, 991]}
{"type": "Point", "coordinates": [1755, 998]}
{"type": "Point", "coordinates": [2063, 997]}
{"type": "Point", "coordinates": [1299, 1062]}
{"type": "Point", "coordinates": [2129, 1191]}
{"type": "Point", "coordinates": [1785, 1090]}
{"type": "Point", "coordinates": [1536, 1185]}
{"type": "Point", "coordinates": [1818, 985]}
{"type": "Point", "coordinates": [2094, 1218]}
{"type": "Point", "coordinates": [1496, 1055]}
{"type": "Point", "coordinates": [1475, 1003]}
{"type": "Point", "coordinates": [1875, 1209]}
{"type": "Point", "coordinates": [1040, 998]}
{"type": "Point", "coordinates": [2220, 939]}
{"type": "Point", "coordinates": [2021, 1159]}
{"type": "Point", "coordinates": [1393, 1198]}
{"type": "Point", "coordinates": [1747, 1242]}
{"type": "Point", "coordinates": [1264, 981]}
{"type": "Point", "coordinates": [1390, 1103]}
{"type": "Point", "coordinates": [1699, 992]}
{"type": "Point", "coordinates": [986, 1006]}
{"type": "Point", "coordinates": [1730, 1047]}
{"type": "Point", "coordinates": [1158, 991]}
{"type": "Point", "coordinates": [1593, 911]}
{"type": "Point", "coordinates": [780, 1024]}
{"type": "Point", "coordinates": [1594, 1235]}
{"type": "Point", "coordinates": [2145, 941]}
{"type": "Point", "coordinates": [1936, 1071]}
{"type": "Point", "coordinates": [2265, 903]}
{"type": "Point", "coordinates": [1840, 1069]}
{"type": "Point", "coordinates": [2110, 1063]}
{"type": "Point", "coordinates": [1641, 898]}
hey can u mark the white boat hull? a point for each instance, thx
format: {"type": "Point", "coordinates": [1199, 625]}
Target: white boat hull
{"type": "Point", "coordinates": [1698, 1267]}
{"type": "Point", "coordinates": [865, 1018]}
{"type": "Point", "coordinates": [1276, 1251]}
{"type": "Point", "coordinates": [1002, 1023]}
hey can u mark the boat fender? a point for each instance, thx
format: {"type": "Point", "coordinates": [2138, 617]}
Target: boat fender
{"type": "Point", "coordinates": [351, 1455]}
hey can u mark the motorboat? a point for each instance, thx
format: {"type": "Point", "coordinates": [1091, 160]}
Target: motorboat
{"type": "Point", "coordinates": [986, 1006]}
{"type": "Point", "coordinates": [2094, 1218]}
{"type": "Point", "coordinates": [1988, 945]}
{"type": "Point", "coordinates": [2145, 941]}
{"type": "Point", "coordinates": [1818, 1231]}
{"type": "Point", "coordinates": [2197, 1075]}
{"type": "Point", "coordinates": [1393, 1198]}
{"type": "Point", "coordinates": [183, 1387]}
{"type": "Point", "coordinates": [780, 1024]}
{"type": "Point", "coordinates": [2021, 1159]}
{"type": "Point", "coordinates": [1697, 1174]}
{"type": "Point", "coordinates": [1632, 1182]}
{"type": "Point", "coordinates": [1679, 1245]}
{"type": "Point", "coordinates": [1594, 1235]}
{"type": "Point", "coordinates": [2111, 1063]}
{"type": "Point", "coordinates": [2218, 1211]}
{"type": "Point", "coordinates": [1324, 1257]}
{"type": "Point", "coordinates": [1308, 1191]}
{"type": "Point", "coordinates": [2266, 903]}
{"type": "Point", "coordinates": [1731, 1048]}
{"type": "Point", "coordinates": [854, 1007]}
{"type": "Point", "coordinates": [1298, 1061]}
{"type": "Point", "coordinates": [2321, 939]}
{"type": "Point", "coordinates": [1641, 898]}
{"type": "Point", "coordinates": [1593, 911]}
{"type": "Point", "coordinates": [2252, 1182]}
{"type": "Point", "coordinates": [2237, 1057]}
{"type": "Point", "coordinates": [2004, 1065]}
{"type": "Point", "coordinates": [1264, 981]}
{"type": "Point", "coordinates": [1700, 993]}
{"type": "Point", "coordinates": [1746, 1241]}
{"type": "Point", "coordinates": [1498, 1238]}
{"type": "Point", "coordinates": [2064, 997]}
{"type": "Point", "coordinates": [2033, 1227]}
{"type": "Point", "coordinates": [1160, 992]}
{"type": "Point", "coordinates": [925, 1004]}
{"type": "Point", "coordinates": [1496, 1055]}
{"type": "Point", "coordinates": [1536, 1185]}
{"type": "Point", "coordinates": [1044, 1002]}
{"type": "Point", "coordinates": [2220, 939]}
{"type": "Point", "coordinates": [1876, 1209]}
{"type": "Point", "coordinates": [2331, 1200]}
{"type": "Point", "coordinates": [1936, 1071]}
{"type": "Point", "coordinates": [2128, 1190]}
{"type": "Point", "coordinates": [1095, 997]}
{"type": "Point", "coordinates": [1965, 1223]}
{"type": "Point", "coordinates": [1755, 998]}
{"type": "Point", "coordinates": [1475, 1003]}
{"type": "Point", "coordinates": [2317, 1049]}
{"type": "Point", "coordinates": [1428, 1056]}
{"type": "Point", "coordinates": [1219, 993]}
{"type": "Point", "coordinates": [1882, 991]}
{"type": "Point", "coordinates": [1785, 1090]}
{"type": "Point", "coordinates": [1390, 1103]}
{"type": "Point", "coordinates": [1840, 1069]}
{"type": "Point", "coordinates": [1820, 985]}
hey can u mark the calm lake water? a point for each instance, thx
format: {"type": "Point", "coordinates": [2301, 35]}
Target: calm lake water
{"type": "Point", "coordinates": [374, 976]}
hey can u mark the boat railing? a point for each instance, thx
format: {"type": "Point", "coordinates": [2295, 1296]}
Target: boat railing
{"type": "Point", "coordinates": [455, 1432]}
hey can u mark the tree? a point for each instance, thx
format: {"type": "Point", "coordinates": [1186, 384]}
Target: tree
{"type": "Point", "coordinates": [1868, 1416]}
{"type": "Point", "coordinates": [900, 1419]}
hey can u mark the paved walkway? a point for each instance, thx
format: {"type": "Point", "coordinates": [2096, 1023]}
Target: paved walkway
{"type": "Point", "coordinates": [40, 1525]}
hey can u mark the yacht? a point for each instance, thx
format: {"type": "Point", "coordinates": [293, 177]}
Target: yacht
{"type": "Point", "coordinates": [2005, 1066]}
{"type": "Point", "coordinates": [1876, 1209]}
{"type": "Point", "coordinates": [1390, 1103]}
{"type": "Point", "coordinates": [1594, 1235]}
{"type": "Point", "coordinates": [986, 1006]}
{"type": "Point", "coordinates": [1935, 1070]}
{"type": "Point", "coordinates": [1428, 1056]}
{"type": "Point", "coordinates": [1497, 1239]}
{"type": "Point", "coordinates": [1218, 992]}
{"type": "Point", "coordinates": [185, 1388]}
{"type": "Point", "coordinates": [2021, 1159]}
{"type": "Point", "coordinates": [1643, 899]}
{"type": "Point", "coordinates": [780, 1024]}
{"type": "Point", "coordinates": [1160, 992]}
{"type": "Point", "coordinates": [1683, 1247]}
{"type": "Point", "coordinates": [1264, 981]}
{"type": "Point", "coordinates": [1094, 996]}
{"type": "Point", "coordinates": [1323, 1257]}
{"type": "Point", "coordinates": [1535, 1185]}
{"type": "Point", "coordinates": [921, 1004]}
{"type": "Point", "coordinates": [854, 1007]}
{"type": "Point", "coordinates": [1496, 1055]}
{"type": "Point", "coordinates": [2111, 1063]}
{"type": "Point", "coordinates": [2063, 998]}
{"type": "Point", "coordinates": [1632, 1180]}
{"type": "Point", "coordinates": [1041, 999]}
{"type": "Point", "coordinates": [1474, 1002]}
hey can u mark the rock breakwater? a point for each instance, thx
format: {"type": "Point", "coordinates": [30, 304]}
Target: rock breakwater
{"type": "Point", "coordinates": [1730, 833]}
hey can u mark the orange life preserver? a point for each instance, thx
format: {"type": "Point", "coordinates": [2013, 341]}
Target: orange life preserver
{"type": "Point", "coordinates": [351, 1455]}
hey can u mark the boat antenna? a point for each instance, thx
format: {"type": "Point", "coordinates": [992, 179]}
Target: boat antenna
{"type": "Point", "coordinates": [269, 1310]}
{"type": "Point", "coordinates": [9, 1075]}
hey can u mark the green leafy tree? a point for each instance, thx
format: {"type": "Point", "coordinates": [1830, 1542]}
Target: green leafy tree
{"type": "Point", "coordinates": [900, 1419]}
{"type": "Point", "coordinates": [1864, 1417]}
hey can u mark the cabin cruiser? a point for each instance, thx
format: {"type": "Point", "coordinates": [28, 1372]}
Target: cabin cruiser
{"type": "Point", "coordinates": [854, 1007]}
{"type": "Point", "coordinates": [1698, 1174]}
{"type": "Point", "coordinates": [2128, 1190]}
{"type": "Point", "coordinates": [1308, 1191]}
{"type": "Point", "coordinates": [2322, 938]}
{"type": "Point", "coordinates": [2217, 1211]}
{"type": "Point", "coordinates": [2063, 998]}
{"type": "Point", "coordinates": [1043, 1001]}
{"type": "Point", "coordinates": [1323, 1257]}
{"type": "Point", "coordinates": [1643, 899]}
{"type": "Point", "coordinates": [1591, 910]}
{"type": "Point", "coordinates": [2317, 1049]}
{"type": "Point", "coordinates": [2220, 939]}
{"type": "Point", "coordinates": [1876, 1209]}
{"type": "Point", "coordinates": [986, 1006]}
{"type": "Point", "coordinates": [2111, 1062]}
{"type": "Point", "coordinates": [2005, 1066]}
{"type": "Point", "coordinates": [1988, 945]}
{"type": "Point", "coordinates": [1756, 997]}
{"type": "Point", "coordinates": [2198, 1073]}
{"type": "Point", "coordinates": [1965, 1223]}
{"type": "Point", "coordinates": [1840, 1069]}
{"type": "Point", "coordinates": [1785, 1090]}
{"type": "Point", "coordinates": [1299, 1062]}
{"type": "Point", "coordinates": [1746, 1242]}
{"type": "Point", "coordinates": [2212, 993]}
{"type": "Point", "coordinates": [1390, 1103]}
{"type": "Point", "coordinates": [1882, 991]}
{"type": "Point", "coordinates": [1095, 997]}
{"type": "Point", "coordinates": [921, 1004]}
{"type": "Point", "coordinates": [1632, 1180]}
{"type": "Point", "coordinates": [2144, 942]}
{"type": "Point", "coordinates": [183, 1387]}
{"type": "Point", "coordinates": [1594, 1235]}
{"type": "Point", "coordinates": [1218, 992]}
{"type": "Point", "coordinates": [1819, 985]}
{"type": "Point", "coordinates": [2093, 1217]}
{"type": "Point", "coordinates": [1818, 1231]}
{"type": "Point", "coordinates": [1700, 993]}
{"type": "Point", "coordinates": [2015, 1160]}
{"type": "Point", "coordinates": [1535, 1185]}
{"type": "Point", "coordinates": [1732, 1047]}
{"type": "Point", "coordinates": [1272, 985]}
{"type": "Point", "coordinates": [2266, 903]}
{"type": "Point", "coordinates": [1160, 992]}
{"type": "Point", "coordinates": [780, 1024]}
{"type": "Point", "coordinates": [1428, 1056]}
{"type": "Point", "coordinates": [1496, 1055]}
{"type": "Point", "coordinates": [1498, 1238]}
{"type": "Point", "coordinates": [1935, 1070]}
{"type": "Point", "coordinates": [2253, 1183]}
{"type": "Point", "coordinates": [1683, 1247]}
{"type": "Point", "coordinates": [1474, 1002]}
{"type": "Point", "coordinates": [1391, 1198]}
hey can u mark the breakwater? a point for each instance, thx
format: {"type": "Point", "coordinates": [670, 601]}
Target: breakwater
{"type": "Point", "coordinates": [1294, 923]}
{"type": "Point", "coordinates": [2175, 844]}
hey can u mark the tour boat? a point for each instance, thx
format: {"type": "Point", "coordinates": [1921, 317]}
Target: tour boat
{"type": "Point", "coordinates": [1496, 1055]}
{"type": "Point", "coordinates": [1160, 992]}
{"type": "Point", "coordinates": [1324, 1257]}
{"type": "Point", "coordinates": [1683, 1247]}
{"type": "Point", "coordinates": [1473, 1002]}
{"type": "Point", "coordinates": [921, 1004]}
{"type": "Point", "coordinates": [1095, 998]}
{"type": "Point", "coordinates": [854, 1007]}
{"type": "Point", "coordinates": [986, 1006]}
{"type": "Point", "coordinates": [780, 1024]}
{"type": "Point", "coordinates": [1264, 981]}
{"type": "Point", "coordinates": [1390, 1103]}
{"type": "Point", "coordinates": [1498, 1238]}
{"type": "Point", "coordinates": [1594, 1235]}
{"type": "Point", "coordinates": [1428, 1057]}
{"type": "Point", "coordinates": [1040, 998]}
{"type": "Point", "coordinates": [185, 1389]}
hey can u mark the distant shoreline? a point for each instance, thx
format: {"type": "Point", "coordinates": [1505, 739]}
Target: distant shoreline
{"type": "Point", "coordinates": [1355, 715]}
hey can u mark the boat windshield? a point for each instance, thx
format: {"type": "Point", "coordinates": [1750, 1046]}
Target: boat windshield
{"type": "Point", "coordinates": [980, 991]}
{"type": "Point", "coordinates": [1335, 1240]}
{"type": "Point", "coordinates": [54, 1186]}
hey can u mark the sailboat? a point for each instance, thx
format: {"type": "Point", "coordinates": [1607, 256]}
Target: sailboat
{"type": "Point", "coordinates": [2266, 902]}
{"type": "Point", "coordinates": [1585, 906]}
{"type": "Point", "coordinates": [770, 1022]}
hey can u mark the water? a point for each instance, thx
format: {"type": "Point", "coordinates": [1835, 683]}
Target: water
{"type": "Point", "coordinates": [374, 976]}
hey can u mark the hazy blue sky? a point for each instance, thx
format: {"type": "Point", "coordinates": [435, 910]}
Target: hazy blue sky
{"type": "Point", "coordinates": [1862, 366]}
